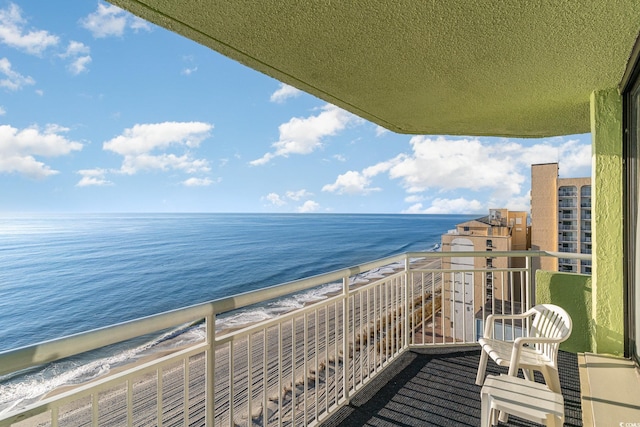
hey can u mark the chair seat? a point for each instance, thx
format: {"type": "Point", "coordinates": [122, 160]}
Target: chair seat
{"type": "Point", "coordinates": [500, 352]}
{"type": "Point", "coordinates": [525, 399]}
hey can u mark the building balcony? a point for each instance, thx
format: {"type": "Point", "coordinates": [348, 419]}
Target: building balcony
{"type": "Point", "coordinates": [568, 227]}
{"type": "Point", "coordinates": [408, 337]}
{"type": "Point", "coordinates": [567, 204]}
{"type": "Point", "coordinates": [569, 216]}
{"type": "Point", "coordinates": [567, 192]}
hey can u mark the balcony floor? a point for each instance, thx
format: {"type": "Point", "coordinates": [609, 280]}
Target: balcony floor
{"type": "Point", "coordinates": [437, 388]}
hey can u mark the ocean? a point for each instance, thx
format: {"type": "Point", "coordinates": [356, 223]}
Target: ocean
{"type": "Point", "coordinates": [62, 274]}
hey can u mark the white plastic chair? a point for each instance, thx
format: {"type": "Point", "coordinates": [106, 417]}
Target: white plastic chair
{"type": "Point", "coordinates": [549, 325]}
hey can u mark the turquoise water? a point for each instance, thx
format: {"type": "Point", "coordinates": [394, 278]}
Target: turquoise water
{"type": "Point", "coordinates": [63, 274]}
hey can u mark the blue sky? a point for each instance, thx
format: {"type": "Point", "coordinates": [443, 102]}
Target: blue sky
{"type": "Point", "coordinates": [103, 112]}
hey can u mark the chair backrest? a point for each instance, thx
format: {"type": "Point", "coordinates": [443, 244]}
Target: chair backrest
{"type": "Point", "coordinates": [550, 321]}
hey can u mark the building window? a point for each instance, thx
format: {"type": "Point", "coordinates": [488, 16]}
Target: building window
{"type": "Point", "coordinates": [489, 243]}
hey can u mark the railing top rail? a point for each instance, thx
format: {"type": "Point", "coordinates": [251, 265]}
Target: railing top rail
{"type": "Point", "coordinates": [37, 354]}
{"type": "Point", "coordinates": [59, 348]}
{"type": "Point", "coordinates": [512, 254]}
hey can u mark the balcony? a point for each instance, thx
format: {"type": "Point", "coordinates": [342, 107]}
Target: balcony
{"type": "Point", "coordinates": [567, 192]}
{"type": "Point", "coordinates": [567, 237]}
{"type": "Point", "coordinates": [567, 204]}
{"type": "Point", "coordinates": [569, 215]}
{"type": "Point", "coordinates": [306, 366]}
{"type": "Point", "coordinates": [436, 387]}
{"type": "Point", "coordinates": [572, 226]}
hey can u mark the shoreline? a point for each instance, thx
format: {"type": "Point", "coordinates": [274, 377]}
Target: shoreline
{"type": "Point", "coordinates": [420, 263]}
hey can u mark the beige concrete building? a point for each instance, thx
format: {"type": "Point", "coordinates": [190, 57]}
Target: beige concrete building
{"type": "Point", "coordinates": [467, 293]}
{"type": "Point", "coordinates": [560, 217]}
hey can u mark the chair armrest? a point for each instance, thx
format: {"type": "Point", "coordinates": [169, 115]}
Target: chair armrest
{"type": "Point", "coordinates": [517, 349]}
{"type": "Point", "coordinates": [520, 341]}
{"type": "Point", "coordinates": [509, 316]}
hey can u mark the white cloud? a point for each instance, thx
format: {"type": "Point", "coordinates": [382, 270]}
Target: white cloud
{"type": "Point", "coordinates": [78, 53]}
{"type": "Point", "coordinates": [2, 111]}
{"type": "Point", "coordinates": [141, 144]}
{"type": "Point", "coordinates": [520, 203]}
{"type": "Point", "coordinates": [76, 49]}
{"type": "Point", "coordinates": [109, 21]}
{"type": "Point", "coordinates": [147, 162]}
{"type": "Point", "coordinates": [275, 199]}
{"type": "Point", "coordinates": [93, 177]}
{"type": "Point", "coordinates": [13, 80]}
{"type": "Point", "coordinates": [298, 195]}
{"type": "Point", "coordinates": [351, 182]}
{"type": "Point", "coordinates": [13, 33]}
{"type": "Point", "coordinates": [414, 199]}
{"type": "Point", "coordinates": [190, 68]}
{"type": "Point", "coordinates": [340, 157]}
{"type": "Point", "coordinates": [381, 131]}
{"type": "Point", "coordinates": [137, 24]}
{"type": "Point", "coordinates": [576, 158]}
{"type": "Point", "coordinates": [143, 138]}
{"type": "Point", "coordinates": [79, 65]}
{"type": "Point", "coordinates": [381, 167]}
{"type": "Point", "coordinates": [308, 207]}
{"type": "Point", "coordinates": [304, 135]}
{"type": "Point", "coordinates": [18, 148]}
{"type": "Point", "coordinates": [197, 182]}
{"type": "Point", "coordinates": [284, 92]}
{"type": "Point", "coordinates": [448, 206]}
{"type": "Point", "coordinates": [454, 165]}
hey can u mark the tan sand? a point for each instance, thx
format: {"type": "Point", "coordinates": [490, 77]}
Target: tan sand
{"type": "Point", "coordinates": [311, 378]}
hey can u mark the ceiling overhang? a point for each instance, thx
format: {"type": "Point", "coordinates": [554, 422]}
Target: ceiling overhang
{"type": "Point", "coordinates": [455, 67]}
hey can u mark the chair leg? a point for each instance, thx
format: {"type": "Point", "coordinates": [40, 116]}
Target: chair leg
{"type": "Point", "coordinates": [482, 367]}
{"type": "Point", "coordinates": [528, 374]}
{"type": "Point", "coordinates": [552, 379]}
{"type": "Point", "coordinates": [486, 413]}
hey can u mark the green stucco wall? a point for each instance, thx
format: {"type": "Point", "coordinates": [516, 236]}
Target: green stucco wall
{"type": "Point", "coordinates": [573, 293]}
{"type": "Point", "coordinates": [606, 224]}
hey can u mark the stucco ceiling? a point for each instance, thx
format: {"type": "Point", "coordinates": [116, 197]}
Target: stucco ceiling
{"type": "Point", "coordinates": [457, 67]}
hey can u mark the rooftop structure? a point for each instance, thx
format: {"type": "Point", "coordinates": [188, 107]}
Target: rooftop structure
{"type": "Point", "coordinates": [502, 231]}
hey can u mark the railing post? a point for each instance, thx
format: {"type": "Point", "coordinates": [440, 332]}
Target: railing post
{"type": "Point", "coordinates": [530, 291]}
{"type": "Point", "coordinates": [210, 371]}
{"type": "Point", "coordinates": [346, 320]}
{"type": "Point", "coordinates": [405, 288]}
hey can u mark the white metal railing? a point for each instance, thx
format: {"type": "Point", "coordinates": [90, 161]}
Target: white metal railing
{"type": "Point", "coordinates": [295, 369]}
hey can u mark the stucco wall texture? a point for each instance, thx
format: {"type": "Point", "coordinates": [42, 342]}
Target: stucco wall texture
{"type": "Point", "coordinates": [573, 292]}
{"type": "Point", "coordinates": [607, 225]}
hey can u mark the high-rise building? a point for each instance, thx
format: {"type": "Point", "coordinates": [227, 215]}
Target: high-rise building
{"type": "Point", "coordinates": [487, 279]}
{"type": "Point", "coordinates": [560, 217]}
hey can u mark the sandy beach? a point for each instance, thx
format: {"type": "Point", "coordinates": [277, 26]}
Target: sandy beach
{"type": "Point", "coordinates": [310, 365]}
